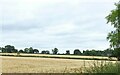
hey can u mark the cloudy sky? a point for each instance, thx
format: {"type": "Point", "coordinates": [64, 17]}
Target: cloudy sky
{"type": "Point", "coordinates": [46, 24]}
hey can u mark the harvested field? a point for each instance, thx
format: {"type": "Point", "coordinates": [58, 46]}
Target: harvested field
{"type": "Point", "coordinates": [58, 56]}
{"type": "Point", "coordinates": [44, 65]}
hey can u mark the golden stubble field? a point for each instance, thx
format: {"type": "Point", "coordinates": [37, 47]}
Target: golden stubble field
{"type": "Point", "coordinates": [44, 65]}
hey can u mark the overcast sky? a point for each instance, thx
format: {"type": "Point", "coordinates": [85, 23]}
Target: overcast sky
{"type": "Point", "coordinates": [46, 24]}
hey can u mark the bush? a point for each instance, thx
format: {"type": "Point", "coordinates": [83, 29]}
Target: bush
{"type": "Point", "coordinates": [104, 68]}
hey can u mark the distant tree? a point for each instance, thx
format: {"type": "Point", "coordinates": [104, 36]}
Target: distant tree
{"type": "Point", "coordinates": [99, 53]}
{"type": "Point", "coordinates": [35, 51]}
{"type": "Point", "coordinates": [21, 51]}
{"type": "Point", "coordinates": [93, 52]}
{"type": "Point", "coordinates": [45, 52]}
{"type": "Point", "coordinates": [31, 50]}
{"type": "Point", "coordinates": [4, 50]}
{"type": "Point", "coordinates": [108, 52]}
{"type": "Point", "coordinates": [67, 52]}
{"type": "Point", "coordinates": [26, 50]}
{"type": "Point", "coordinates": [55, 50]}
{"type": "Point", "coordinates": [86, 52]}
{"type": "Point", "coordinates": [15, 51]}
{"type": "Point", "coordinates": [0, 49]}
{"type": "Point", "coordinates": [10, 49]}
{"type": "Point", "coordinates": [77, 52]}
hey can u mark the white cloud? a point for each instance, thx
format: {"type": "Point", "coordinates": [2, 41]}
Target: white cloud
{"type": "Point", "coordinates": [55, 23]}
{"type": "Point", "coordinates": [60, 28]}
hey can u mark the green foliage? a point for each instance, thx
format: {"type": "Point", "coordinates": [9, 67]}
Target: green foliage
{"type": "Point", "coordinates": [45, 52]}
{"type": "Point", "coordinates": [21, 51]}
{"type": "Point", "coordinates": [114, 16]}
{"type": "Point", "coordinates": [104, 68]}
{"type": "Point", "coordinates": [31, 50]}
{"type": "Point", "coordinates": [35, 51]}
{"type": "Point", "coordinates": [114, 36]}
{"type": "Point", "coordinates": [9, 49]}
{"type": "Point", "coordinates": [107, 52]}
{"type": "Point", "coordinates": [77, 52]}
{"type": "Point", "coordinates": [55, 51]}
{"type": "Point", "coordinates": [26, 50]}
{"type": "Point", "coordinates": [86, 52]}
{"type": "Point", "coordinates": [0, 48]}
{"type": "Point", "coordinates": [67, 52]}
{"type": "Point", "coordinates": [93, 53]}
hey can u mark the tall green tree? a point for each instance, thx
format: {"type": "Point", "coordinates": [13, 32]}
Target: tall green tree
{"type": "Point", "coordinates": [114, 36]}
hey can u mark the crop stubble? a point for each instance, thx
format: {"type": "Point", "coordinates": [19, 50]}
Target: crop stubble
{"type": "Point", "coordinates": [43, 65]}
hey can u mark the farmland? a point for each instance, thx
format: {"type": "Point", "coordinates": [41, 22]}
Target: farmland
{"type": "Point", "coordinates": [57, 56]}
{"type": "Point", "coordinates": [46, 65]}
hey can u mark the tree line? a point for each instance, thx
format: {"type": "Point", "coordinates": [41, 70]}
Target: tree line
{"type": "Point", "coordinates": [12, 49]}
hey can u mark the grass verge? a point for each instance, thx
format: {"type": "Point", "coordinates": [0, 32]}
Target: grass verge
{"type": "Point", "coordinates": [104, 68]}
